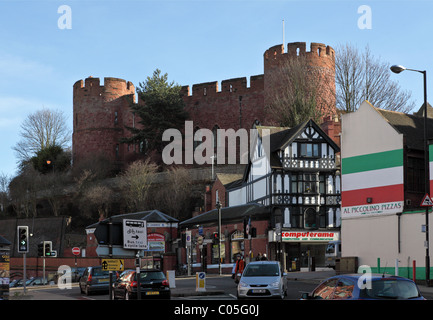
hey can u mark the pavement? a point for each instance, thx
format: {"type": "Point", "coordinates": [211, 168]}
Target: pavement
{"type": "Point", "coordinates": [39, 293]}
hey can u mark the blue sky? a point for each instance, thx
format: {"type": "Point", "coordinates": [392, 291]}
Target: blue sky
{"type": "Point", "coordinates": [193, 41]}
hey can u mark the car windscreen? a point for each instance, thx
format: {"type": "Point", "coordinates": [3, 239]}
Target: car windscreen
{"type": "Point", "coordinates": [330, 248]}
{"type": "Point", "coordinates": [261, 270]}
{"type": "Point", "coordinates": [151, 276]}
{"type": "Point", "coordinates": [98, 272]}
{"type": "Point", "coordinates": [391, 289]}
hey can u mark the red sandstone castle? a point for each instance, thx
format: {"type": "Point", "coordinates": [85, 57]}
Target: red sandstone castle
{"type": "Point", "coordinates": [100, 113]}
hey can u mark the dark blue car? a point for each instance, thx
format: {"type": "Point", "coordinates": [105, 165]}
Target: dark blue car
{"type": "Point", "coordinates": [365, 286]}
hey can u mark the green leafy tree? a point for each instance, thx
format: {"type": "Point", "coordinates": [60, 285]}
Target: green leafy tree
{"type": "Point", "coordinates": [50, 159]}
{"type": "Point", "coordinates": [160, 107]}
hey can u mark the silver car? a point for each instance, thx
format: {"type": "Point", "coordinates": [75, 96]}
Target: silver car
{"type": "Point", "coordinates": [262, 279]}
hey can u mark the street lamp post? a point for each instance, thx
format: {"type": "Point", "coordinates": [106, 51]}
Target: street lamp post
{"type": "Point", "coordinates": [397, 69]}
{"type": "Point", "coordinates": [218, 207]}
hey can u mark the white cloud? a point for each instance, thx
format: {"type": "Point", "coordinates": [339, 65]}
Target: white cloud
{"type": "Point", "coordinates": [19, 67]}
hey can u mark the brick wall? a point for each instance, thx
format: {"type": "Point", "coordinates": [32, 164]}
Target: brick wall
{"type": "Point", "coordinates": [233, 104]}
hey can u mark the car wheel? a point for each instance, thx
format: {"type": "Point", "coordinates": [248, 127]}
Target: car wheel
{"type": "Point", "coordinates": [87, 291]}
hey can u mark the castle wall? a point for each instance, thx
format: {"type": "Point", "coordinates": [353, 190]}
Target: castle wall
{"type": "Point", "coordinates": [234, 106]}
{"type": "Point", "coordinates": [320, 58]}
{"type": "Point", "coordinates": [102, 111]}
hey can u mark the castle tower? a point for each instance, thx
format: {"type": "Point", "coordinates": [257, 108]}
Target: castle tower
{"type": "Point", "coordinates": [100, 113]}
{"type": "Point", "coordinates": [320, 58]}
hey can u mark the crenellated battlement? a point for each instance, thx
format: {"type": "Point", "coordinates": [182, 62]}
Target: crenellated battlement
{"type": "Point", "coordinates": [318, 52]}
{"type": "Point", "coordinates": [235, 85]}
{"type": "Point", "coordinates": [102, 106]}
{"type": "Point", "coordinates": [111, 89]}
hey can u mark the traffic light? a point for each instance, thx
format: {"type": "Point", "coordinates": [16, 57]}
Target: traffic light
{"type": "Point", "coordinates": [253, 232]}
{"type": "Point", "coordinates": [23, 239]}
{"type": "Point", "coordinates": [40, 249]}
{"type": "Point", "coordinates": [215, 238]}
{"type": "Point", "coordinates": [48, 248]}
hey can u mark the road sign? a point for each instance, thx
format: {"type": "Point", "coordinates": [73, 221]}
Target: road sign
{"type": "Point", "coordinates": [188, 238]}
{"type": "Point", "coordinates": [76, 251]}
{"type": "Point", "coordinates": [427, 201]}
{"type": "Point", "coordinates": [118, 251]}
{"type": "Point", "coordinates": [113, 264]}
{"type": "Point", "coordinates": [200, 281]}
{"type": "Point", "coordinates": [134, 234]}
{"type": "Point", "coordinates": [101, 233]}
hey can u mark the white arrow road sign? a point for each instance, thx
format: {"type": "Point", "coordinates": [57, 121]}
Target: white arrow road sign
{"type": "Point", "coordinates": [134, 234]}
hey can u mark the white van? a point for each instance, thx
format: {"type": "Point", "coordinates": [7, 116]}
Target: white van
{"type": "Point", "coordinates": [333, 251]}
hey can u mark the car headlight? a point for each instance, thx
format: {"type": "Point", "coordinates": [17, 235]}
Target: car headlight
{"type": "Point", "coordinates": [243, 285]}
{"type": "Point", "coordinates": [275, 284]}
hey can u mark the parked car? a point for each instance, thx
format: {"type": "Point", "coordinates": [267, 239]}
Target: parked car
{"type": "Point", "coordinates": [16, 283]}
{"type": "Point", "coordinates": [36, 281]}
{"type": "Point", "coordinates": [153, 284]}
{"type": "Point", "coordinates": [374, 287]}
{"type": "Point", "coordinates": [332, 253]}
{"type": "Point", "coordinates": [74, 274]}
{"type": "Point", "coordinates": [262, 279]}
{"type": "Point", "coordinates": [94, 279]}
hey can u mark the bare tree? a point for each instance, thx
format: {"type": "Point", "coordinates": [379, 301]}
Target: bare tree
{"type": "Point", "coordinates": [40, 130]}
{"type": "Point", "coordinates": [24, 190]}
{"type": "Point", "coordinates": [297, 92]}
{"type": "Point", "coordinates": [135, 183]}
{"type": "Point", "coordinates": [174, 193]}
{"type": "Point", "coordinates": [82, 184]}
{"type": "Point", "coordinates": [360, 76]}
{"type": "Point", "coordinates": [4, 191]}
{"type": "Point", "coordinates": [100, 197]}
{"type": "Point", "coordinates": [53, 189]}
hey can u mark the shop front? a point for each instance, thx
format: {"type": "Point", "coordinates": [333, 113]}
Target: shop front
{"type": "Point", "coordinates": [302, 249]}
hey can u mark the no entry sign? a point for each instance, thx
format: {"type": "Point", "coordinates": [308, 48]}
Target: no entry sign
{"type": "Point", "coordinates": [76, 251]}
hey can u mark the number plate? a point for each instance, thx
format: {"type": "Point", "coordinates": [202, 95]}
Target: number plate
{"type": "Point", "coordinates": [103, 280]}
{"type": "Point", "coordinates": [152, 293]}
{"type": "Point", "coordinates": [259, 290]}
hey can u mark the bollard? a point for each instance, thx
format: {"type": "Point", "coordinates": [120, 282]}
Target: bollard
{"type": "Point", "coordinates": [396, 267]}
{"type": "Point", "coordinates": [171, 279]}
{"type": "Point", "coordinates": [414, 271]}
{"type": "Point", "coordinates": [200, 281]}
